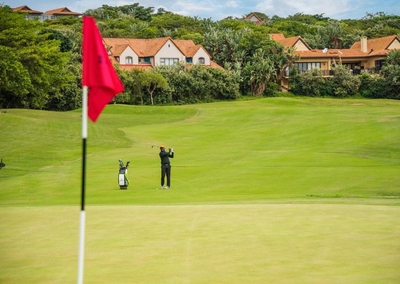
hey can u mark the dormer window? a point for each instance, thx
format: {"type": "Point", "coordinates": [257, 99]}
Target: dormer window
{"type": "Point", "coordinates": [202, 60]}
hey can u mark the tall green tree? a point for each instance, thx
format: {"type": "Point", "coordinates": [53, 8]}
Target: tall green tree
{"type": "Point", "coordinates": [391, 74]}
{"type": "Point", "coordinates": [259, 71]}
{"type": "Point", "coordinates": [152, 80]}
{"type": "Point", "coordinates": [36, 57]}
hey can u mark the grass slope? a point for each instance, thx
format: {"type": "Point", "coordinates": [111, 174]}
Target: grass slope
{"type": "Point", "coordinates": [280, 190]}
{"type": "Point", "coordinates": [247, 151]}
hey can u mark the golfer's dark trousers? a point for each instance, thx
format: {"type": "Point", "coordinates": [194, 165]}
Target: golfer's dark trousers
{"type": "Point", "coordinates": [166, 171]}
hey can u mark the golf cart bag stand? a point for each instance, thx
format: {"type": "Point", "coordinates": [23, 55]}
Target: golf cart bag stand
{"type": "Point", "coordinates": [123, 181]}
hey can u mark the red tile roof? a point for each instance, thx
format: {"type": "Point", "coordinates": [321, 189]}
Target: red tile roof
{"type": "Point", "coordinates": [188, 47]}
{"type": "Point", "coordinates": [337, 53]}
{"type": "Point", "coordinates": [149, 48]}
{"type": "Point", "coordinates": [376, 43]}
{"type": "Point", "coordinates": [290, 41]}
{"type": "Point", "coordinates": [251, 15]}
{"type": "Point", "coordinates": [142, 47]}
{"type": "Point", "coordinates": [216, 65]}
{"type": "Point", "coordinates": [62, 11]}
{"type": "Point", "coordinates": [376, 47]}
{"type": "Point", "coordinates": [26, 9]}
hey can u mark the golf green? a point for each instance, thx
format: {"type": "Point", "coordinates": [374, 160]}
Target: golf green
{"type": "Point", "coordinates": [272, 190]}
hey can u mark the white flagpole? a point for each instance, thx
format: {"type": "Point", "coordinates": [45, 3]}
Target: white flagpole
{"type": "Point", "coordinates": [83, 215]}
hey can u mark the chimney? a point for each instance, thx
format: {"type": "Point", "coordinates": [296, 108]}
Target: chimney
{"type": "Point", "coordinates": [364, 45]}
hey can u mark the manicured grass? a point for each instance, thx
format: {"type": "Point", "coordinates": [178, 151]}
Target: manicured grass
{"type": "Point", "coordinates": [294, 190]}
{"type": "Point", "coordinates": [246, 151]}
{"type": "Point", "coordinates": [233, 243]}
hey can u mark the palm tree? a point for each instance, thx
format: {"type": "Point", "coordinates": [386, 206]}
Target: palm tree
{"type": "Point", "coordinates": [335, 31]}
{"type": "Point", "coordinates": [261, 70]}
{"type": "Point", "coordinates": [393, 57]}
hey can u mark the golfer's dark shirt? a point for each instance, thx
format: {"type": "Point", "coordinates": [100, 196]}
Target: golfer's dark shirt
{"type": "Point", "coordinates": [165, 156]}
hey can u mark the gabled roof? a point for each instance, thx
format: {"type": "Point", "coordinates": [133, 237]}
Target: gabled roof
{"type": "Point", "coordinates": [252, 16]}
{"type": "Point", "coordinates": [188, 47]}
{"type": "Point", "coordinates": [26, 9]}
{"type": "Point", "coordinates": [62, 11]}
{"type": "Point", "coordinates": [290, 41]}
{"type": "Point", "coordinates": [378, 46]}
{"type": "Point", "coordinates": [120, 48]}
{"type": "Point", "coordinates": [142, 47]}
{"type": "Point", "coordinates": [150, 47]}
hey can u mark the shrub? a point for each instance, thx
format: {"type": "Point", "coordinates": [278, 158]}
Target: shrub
{"type": "Point", "coordinates": [345, 84]}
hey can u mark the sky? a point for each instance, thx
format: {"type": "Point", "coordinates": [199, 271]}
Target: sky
{"type": "Point", "coordinates": [218, 10]}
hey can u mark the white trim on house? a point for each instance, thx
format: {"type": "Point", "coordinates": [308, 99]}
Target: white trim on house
{"type": "Point", "coordinates": [128, 52]}
{"type": "Point", "coordinates": [169, 51]}
{"type": "Point", "coordinates": [201, 53]}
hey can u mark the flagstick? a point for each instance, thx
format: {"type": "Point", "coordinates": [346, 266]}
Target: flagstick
{"type": "Point", "coordinates": [83, 215]}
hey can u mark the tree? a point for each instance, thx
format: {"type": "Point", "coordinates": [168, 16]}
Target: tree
{"type": "Point", "coordinates": [329, 35]}
{"type": "Point", "coordinates": [65, 42]}
{"type": "Point", "coordinates": [259, 70]}
{"type": "Point", "coordinates": [14, 79]}
{"type": "Point", "coordinates": [282, 57]}
{"type": "Point", "coordinates": [223, 44]}
{"type": "Point", "coordinates": [106, 12]}
{"type": "Point", "coordinates": [38, 60]}
{"type": "Point", "coordinates": [393, 57]}
{"type": "Point", "coordinates": [152, 80]}
{"type": "Point", "coordinates": [308, 83]}
{"type": "Point", "coordinates": [391, 74]}
{"type": "Point", "coordinates": [346, 85]}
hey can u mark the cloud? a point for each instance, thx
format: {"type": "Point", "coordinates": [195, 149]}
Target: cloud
{"type": "Point", "coordinates": [285, 8]}
{"type": "Point", "coordinates": [218, 9]}
{"type": "Point", "coordinates": [190, 8]}
{"type": "Point", "coordinates": [232, 4]}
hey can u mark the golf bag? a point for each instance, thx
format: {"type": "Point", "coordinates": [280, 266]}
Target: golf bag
{"type": "Point", "coordinates": [123, 181]}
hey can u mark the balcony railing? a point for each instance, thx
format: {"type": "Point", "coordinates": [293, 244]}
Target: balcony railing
{"type": "Point", "coordinates": [329, 73]}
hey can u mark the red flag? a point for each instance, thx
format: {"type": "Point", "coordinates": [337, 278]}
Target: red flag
{"type": "Point", "coordinates": [98, 73]}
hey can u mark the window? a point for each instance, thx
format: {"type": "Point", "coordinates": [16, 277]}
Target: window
{"type": "Point", "coordinates": [189, 60]}
{"type": "Point", "coordinates": [128, 60]}
{"type": "Point", "coordinates": [169, 61]}
{"type": "Point", "coordinates": [144, 60]}
{"type": "Point", "coordinates": [202, 60]}
{"type": "Point", "coordinates": [305, 66]}
{"type": "Point", "coordinates": [379, 64]}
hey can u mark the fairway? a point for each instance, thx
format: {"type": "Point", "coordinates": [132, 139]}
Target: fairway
{"type": "Point", "coordinates": [273, 190]}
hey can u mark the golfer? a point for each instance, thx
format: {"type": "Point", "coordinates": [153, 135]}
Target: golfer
{"type": "Point", "coordinates": [166, 165]}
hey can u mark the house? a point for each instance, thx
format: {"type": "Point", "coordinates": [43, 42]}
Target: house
{"type": "Point", "coordinates": [131, 53]}
{"type": "Point", "coordinates": [59, 13]}
{"type": "Point", "coordinates": [49, 15]}
{"type": "Point", "coordinates": [363, 56]}
{"type": "Point", "coordinates": [29, 13]}
{"type": "Point", "coordinates": [253, 17]}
